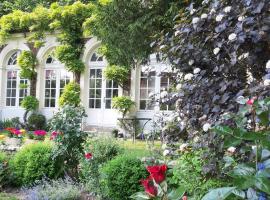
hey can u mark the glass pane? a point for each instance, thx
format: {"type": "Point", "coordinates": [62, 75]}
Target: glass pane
{"type": "Point", "coordinates": [108, 104]}
{"type": "Point", "coordinates": [98, 103]}
{"type": "Point", "coordinates": [151, 82]}
{"type": "Point", "coordinates": [47, 93]}
{"type": "Point", "coordinates": [14, 84]}
{"type": "Point", "coordinates": [98, 83]}
{"type": "Point", "coordinates": [8, 102]}
{"type": "Point", "coordinates": [13, 102]}
{"type": "Point", "coordinates": [47, 84]}
{"type": "Point", "coordinates": [108, 84]}
{"type": "Point", "coordinates": [8, 93]}
{"type": "Point", "coordinates": [143, 94]}
{"type": "Point", "coordinates": [115, 93]}
{"type": "Point", "coordinates": [92, 73]}
{"type": "Point", "coordinates": [52, 102]}
{"type": "Point", "coordinates": [47, 103]}
{"type": "Point", "coordinates": [115, 85]}
{"type": "Point", "coordinates": [13, 93]}
{"type": "Point", "coordinates": [92, 93]}
{"type": "Point", "coordinates": [108, 93]}
{"type": "Point", "coordinates": [99, 73]}
{"type": "Point", "coordinates": [92, 83]}
{"type": "Point", "coordinates": [142, 104]}
{"type": "Point", "coordinates": [9, 84]}
{"type": "Point", "coordinates": [98, 93]}
{"type": "Point", "coordinates": [94, 57]}
{"type": "Point", "coordinates": [62, 83]}
{"type": "Point", "coordinates": [53, 93]}
{"type": "Point", "coordinates": [143, 82]}
{"type": "Point", "coordinates": [53, 83]}
{"type": "Point", "coordinates": [164, 82]}
{"type": "Point", "coordinates": [91, 103]}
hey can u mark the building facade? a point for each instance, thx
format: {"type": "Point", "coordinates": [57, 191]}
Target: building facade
{"type": "Point", "coordinates": [147, 83]}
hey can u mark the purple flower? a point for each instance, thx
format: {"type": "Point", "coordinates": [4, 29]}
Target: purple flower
{"type": "Point", "coordinates": [261, 166]}
{"type": "Point", "coordinates": [262, 196]}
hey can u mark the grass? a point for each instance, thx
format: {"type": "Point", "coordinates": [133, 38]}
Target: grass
{"type": "Point", "coordinates": [139, 148]}
{"type": "Point", "coordinates": [4, 196]}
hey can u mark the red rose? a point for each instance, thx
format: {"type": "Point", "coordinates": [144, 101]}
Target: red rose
{"type": "Point", "coordinates": [158, 173]}
{"type": "Point", "coordinates": [88, 156]}
{"type": "Point", "coordinates": [149, 187]}
{"type": "Point", "coordinates": [251, 101]}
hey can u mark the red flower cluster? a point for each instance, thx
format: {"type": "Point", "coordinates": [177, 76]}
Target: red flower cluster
{"type": "Point", "coordinates": [88, 156]}
{"type": "Point", "coordinates": [14, 131]}
{"type": "Point", "coordinates": [251, 101]}
{"type": "Point", "coordinates": [157, 174]}
{"type": "Point", "coordinates": [53, 135]}
{"type": "Point", "coordinates": [149, 187]}
{"type": "Point", "coordinates": [40, 132]}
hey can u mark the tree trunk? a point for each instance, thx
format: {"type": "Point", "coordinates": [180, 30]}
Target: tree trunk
{"type": "Point", "coordinates": [77, 77]}
{"type": "Point", "coordinates": [33, 84]}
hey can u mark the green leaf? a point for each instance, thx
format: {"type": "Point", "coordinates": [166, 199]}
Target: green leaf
{"type": "Point", "coordinates": [219, 193]}
{"type": "Point", "coordinates": [263, 184]}
{"type": "Point", "coordinates": [223, 130]}
{"type": "Point", "coordinates": [139, 196]}
{"type": "Point", "coordinates": [243, 170]}
{"type": "Point", "coordinates": [177, 194]}
{"type": "Point", "coordinates": [264, 118]}
{"type": "Point", "coordinates": [265, 154]}
{"type": "Point", "coordinates": [239, 193]}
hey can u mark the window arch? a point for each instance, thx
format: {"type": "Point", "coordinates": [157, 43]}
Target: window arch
{"type": "Point", "coordinates": [51, 60]}
{"type": "Point", "coordinates": [96, 57]}
{"type": "Point", "coordinates": [16, 87]}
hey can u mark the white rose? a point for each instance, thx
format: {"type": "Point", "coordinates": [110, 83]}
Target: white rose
{"type": "Point", "coordinates": [162, 47]}
{"type": "Point", "coordinates": [177, 33]}
{"type": "Point", "coordinates": [266, 82]}
{"type": "Point", "coordinates": [231, 149]}
{"type": "Point", "coordinates": [244, 55]}
{"type": "Point", "coordinates": [268, 64]}
{"type": "Point", "coordinates": [206, 127]}
{"type": "Point", "coordinates": [191, 62]}
{"type": "Point", "coordinates": [192, 11]}
{"type": "Point", "coordinates": [232, 37]}
{"type": "Point", "coordinates": [204, 16]}
{"type": "Point", "coordinates": [151, 94]}
{"type": "Point", "coordinates": [241, 18]}
{"type": "Point", "coordinates": [196, 139]}
{"type": "Point", "coordinates": [219, 18]}
{"type": "Point", "coordinates": [183, 146]}
{"type": "Point", "coordinates": [212, 11]}
{"type": "Point", "coordinates": [216, 50]}
{"type": "Point", "coordinates": [163, 94]}
{"type": "Point", "coordinates": [166, 152]}
{"type": "Point", "coordinates": [195, 20]}
{"type": "Point", "coordinates": [227, 9]}
{"type": "Point", "coordinates": [196, 70]}
{"type": "Point", "coordinates": [188, 77]}
{"type": "Point", "coordinates": [179, 86]}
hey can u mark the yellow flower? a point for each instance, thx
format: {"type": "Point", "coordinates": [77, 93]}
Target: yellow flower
{"type": "Point", "coordinates": [23, 131]}
{"type": "Point", "coordinates": [2, 137]}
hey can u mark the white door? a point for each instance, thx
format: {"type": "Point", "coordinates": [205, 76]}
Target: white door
{"type": "Point", "coordinates": [100, 94]}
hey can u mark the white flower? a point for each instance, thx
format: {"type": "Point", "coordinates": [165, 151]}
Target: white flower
{"type": "Point", "coordinates": [219, 18]}
{"type": "Point", "coordinates": [196, 139]}
{"type": "Point", "coordinates": [227, 9]}
{"type": "Point", "coordinates": [216, 50]}
{"type": "Point", "coordinates": [151, 94]}
{"type": "Point", "coordinates": [166, 152]}
{"type": "Point", "coordinates": [195, 20]}
{"type": "Point", "coordinates": [191, 62]}
{"type": "Point", "coordinates": [241, 18]}
{"type": "Point", "coordinates": [232, 37]}
{"type": "Point", "coordinates": [266, 82]}
{"type": "Point", "coordinates": [183, 147]}
{"type": "Point", "coordinates": [177, 33]}
{"type": "Point", "coordinates": [244, 55]}
{"type": "Point", "coordinates": [163, 94]}
{"type": "Point", "coordinates": [231, 149]}
{"type": "Point", "coordinates": [192, 11]}
{"type": "Point", "coordinates": [212, 11]}
{"type": "Point", "coordinates": [164, 146]}
{"type": "Point", "coordinates": [196, 70]}
{"type": "Point", "coordinates": [179, 86]}
{"type": "Point", "coordinates": [188, 77]}
{"type": "Point", "coordinates": [162, 47]}
{"type": "Point", "coordinates": [268, 64]}
{"type": "Point", "coordinates": [204, 16]}
{"type": "Point", "coordinates": [206, 127]}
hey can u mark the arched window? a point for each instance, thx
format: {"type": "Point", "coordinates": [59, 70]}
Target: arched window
{"type": "Point", "coordinates": [56, 78]}
{"type": "Point", "coordinates": [96, 58]}
{"type": "Point", "coordinates": [16, 87]}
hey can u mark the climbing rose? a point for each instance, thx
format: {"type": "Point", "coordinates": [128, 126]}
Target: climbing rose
{"type": "Point", "coordinates": [149, 187]}
{"type": "Point", "coordinates": [88, 156]}
{"type": "Point", "coordinates": [251, 101]}
{"type": "Point", "coordinates": [158, 173]}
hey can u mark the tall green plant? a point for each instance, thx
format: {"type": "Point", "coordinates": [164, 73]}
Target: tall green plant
{"type": "Point", "coordinates": [123, 104]}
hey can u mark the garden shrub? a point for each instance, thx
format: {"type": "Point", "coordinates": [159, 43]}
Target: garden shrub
{"type": "Point", "coordinates": [121, 177]}
{"type": "Point", "coordinates": [4, 172]}
{"type": "Point", "coordinates": [36, 122]}
{"type": "Point", "coordinates": [123, 104]}
{"type": "Point", "coordinates": [71, 95]}
{"type": "Point", "coordinates": [33, 162]}
{"type": "Point", "coordinates": [119, 74]}
{"type": "Point", "coordinates": [103, 150]}
{"type": "Point", "coordinates": [60, 189]}
{"type": "Point", "coordinates": [189, 174]}
{"type": "Point", "coordinates": [68, 136]}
